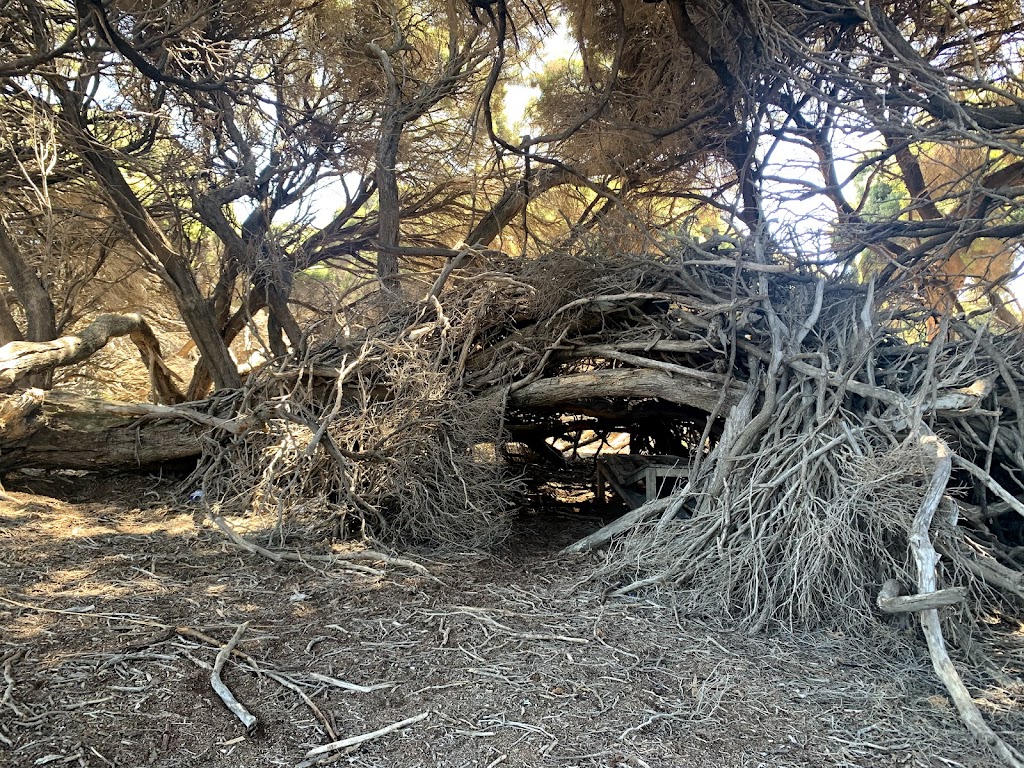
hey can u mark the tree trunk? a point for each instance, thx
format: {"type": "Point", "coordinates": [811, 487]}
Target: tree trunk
{"type": "Point", "coordinates": [31, 293]}
{"type": "Point", "coordinates": [9, 330]}
{"type": "Point", "coordinates": [269, 272]}
{"type": "Point", "coordinates": [61, 430]}
{"type": "Point", "coordinates": [386, 176]}
{"type": "Point", "coordinates": [387, 196]}
{"type": "Point", "coordinates": [195, 310]}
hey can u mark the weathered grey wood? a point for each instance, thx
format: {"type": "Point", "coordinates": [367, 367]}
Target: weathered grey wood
{"type": "Point", "coordinates": [623, 470]}
{"type": "Point", "coordinates": [926, 559]}
{"type": "Point", "coordinates": [624, 523]}
{"type": "Point", "coordinates": [890, 600]}
{"type": "Point", "coordinates": [627, 383]}
{"type": "Point", "coordinates": [60, 430]}
{"type": "Point", "coordinates": [20, 359]}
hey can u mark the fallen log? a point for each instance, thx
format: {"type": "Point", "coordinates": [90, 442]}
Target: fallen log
{"type": "Point", "coordinates": [62, 430]}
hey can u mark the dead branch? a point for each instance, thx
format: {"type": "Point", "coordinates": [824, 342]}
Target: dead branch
{"type": "Point", "coordinates": [625, 523]}
{"type": "Point", "coordinates": [371, 555]}
{"type": "Point", "coordinates": [19, 359]}
{"type": "Point", "coordinates": [627, 383]}
{"type": "Point", "coordinates": [361, 738]}
{"type": "Point", "coordinates": [927, 558]}
{"type": "Point", "coordinates": [225, 694]}
{"type": "Point", "coordinates": [890, 600]}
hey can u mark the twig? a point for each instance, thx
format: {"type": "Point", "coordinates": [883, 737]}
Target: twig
{"type": "Point", "coordinates": [148, 411]}
{"type": "Point", "coordinates": [366, 554]}
{"type": "Point", "coordinates": [361, 738]}
{"type": "Point", "coordinates": [526, 635]}
{"type": "Point", "coordinates": [347, 686]}
{"type": "Point", "coordinates": [233, 704]}
{"type": "Point", "coordinates": [128, 618]}
{"type": "Point", "coordinates": [333, 681]}
{"type": "Point", "coordinates": [9, 660]}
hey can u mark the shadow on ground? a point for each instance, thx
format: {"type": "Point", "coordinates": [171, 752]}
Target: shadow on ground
{"type": "Point", "coordinates": [115, 603]}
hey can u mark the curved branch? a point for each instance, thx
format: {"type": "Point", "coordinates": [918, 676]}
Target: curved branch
{"type": "Point", "coordinates": [927, 558]}
{"type": "Point", "coordinates": [19, 359]}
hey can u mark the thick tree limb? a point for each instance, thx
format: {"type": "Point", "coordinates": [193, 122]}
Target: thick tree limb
{"type": "Point", "coordinates": [580, 387]}
{"type": "Point", "coordinates": [19, 359]}
{"type": "Point", "coordinates": [890, 600]}
{"type": "Point", "coordinates": [614, 528]}
{"type": "Point", "coordinates": [511, 204]}
{"type": "Point", "coordinates": [150, 239]}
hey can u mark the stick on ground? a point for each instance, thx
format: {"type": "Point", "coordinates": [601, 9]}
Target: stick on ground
{"type": "Point", "coordinates": [233, 704]}
{"type": "Point", "coordinates": [353, 740]}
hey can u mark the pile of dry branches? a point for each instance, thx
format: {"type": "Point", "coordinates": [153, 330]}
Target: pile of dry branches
{"type": "Point", "coordinates": [874, 449]}
{"type": "Point", "coordinates": [378, 433]}
{"type": "Point", "coordinates": [851, 452]}
{"type": "Point", "coordinates": [844, 444]}
{"type": "Point", "coordinates": [813, 396]}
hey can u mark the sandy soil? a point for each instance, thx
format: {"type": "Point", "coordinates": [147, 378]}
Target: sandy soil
{"type": "Point", "coordinates": [115, 603]}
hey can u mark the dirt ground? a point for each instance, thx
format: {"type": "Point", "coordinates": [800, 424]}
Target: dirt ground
{"type": "Point", "coordinates": [115, 603]}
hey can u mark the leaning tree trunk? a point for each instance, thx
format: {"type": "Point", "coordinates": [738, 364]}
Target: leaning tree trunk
{"type": "Point", "coordinates": [195, 311]}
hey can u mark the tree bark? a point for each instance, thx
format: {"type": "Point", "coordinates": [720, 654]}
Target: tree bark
{"type": "Point", "coordinates": [20, 359]}
{"type": "Point", "coordinates": [9, 330]}
{"type": "Point", "coordinates": [576, 389]}
{"type": "Point", "coordinates": [512, 203]}
{"type": "Point", "coordinates": [61, 430]}
{"type": "Point", "coordinates": [388, 234]}
{"type": "Point", "coordinates": [195, 310]}
{"type": "Point", "coordinates": [385, 174]}
{"type": "Point", "coordinates": [40, 319]}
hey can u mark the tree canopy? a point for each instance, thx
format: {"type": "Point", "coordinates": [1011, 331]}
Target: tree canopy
{"type": "Point", "coordinates": [200, 142]}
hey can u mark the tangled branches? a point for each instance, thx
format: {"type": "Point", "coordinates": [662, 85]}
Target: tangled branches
{"type": "Point", "coordinates": [380, 434]}
{"type": "Point", "coordinates": [822, 482]}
